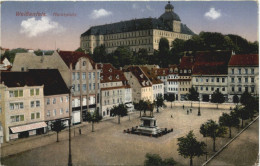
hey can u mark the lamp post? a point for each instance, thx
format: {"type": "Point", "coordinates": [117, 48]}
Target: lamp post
{"type": "Point", "coordinates": [70, 159]}
{"type": "Point", "coordinates": [199, 108]}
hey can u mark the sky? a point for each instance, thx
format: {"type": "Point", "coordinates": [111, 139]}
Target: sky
{"type": "Point", "coordinates": [53, 25]}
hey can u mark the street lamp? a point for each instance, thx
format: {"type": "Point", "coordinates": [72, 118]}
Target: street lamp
{"type": "Point", "coordinates": [199, 108]}
{"type": "Point", "coordinates": [70, 159]}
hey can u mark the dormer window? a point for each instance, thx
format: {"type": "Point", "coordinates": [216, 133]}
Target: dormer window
{"type": "Point", "coordinates": [142, 76]}
{"type": "Point", "coordinates": [101, 71]}
{"type": "Point", "coordinates": [117, 76]}
{"type": "Point", "coordinates": [101, 77]}
{"type": "Point", "coordinates": [185, 71]}
{"type": "Point", "coordinates": [101, 65]}
{"type": "Point", "coordinates": [84, 63]}
{"type": "Point", "coordinates": [143, 83]}
{"type": "Point", "coordinates": [189, 71]}
{"type": "Point", "coordinates": [110, 70]}
{"type": "Point", "coordinates": [147, 83]}
{"type": "Point", "coordinates": [163, 71]}
{"type": "Point", "coordinates": [110, 77]}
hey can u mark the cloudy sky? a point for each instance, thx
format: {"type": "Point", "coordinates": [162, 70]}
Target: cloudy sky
{"type": "Point", "coordinates": [50, 25]}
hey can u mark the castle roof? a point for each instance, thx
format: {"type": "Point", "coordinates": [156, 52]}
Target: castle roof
{"type": "Point", "coordinates": [133, 25]}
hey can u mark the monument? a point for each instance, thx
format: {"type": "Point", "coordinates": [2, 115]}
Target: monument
{"type": "Point", "coordinates": [148, 126]}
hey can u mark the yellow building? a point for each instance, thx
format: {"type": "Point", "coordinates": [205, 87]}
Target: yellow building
{"type": "Point", "coordinates": [137, 33]}
{"type": "Point", "coordinates": [140, 83]}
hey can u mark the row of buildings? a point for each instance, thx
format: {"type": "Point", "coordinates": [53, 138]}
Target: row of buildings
{"type": "Point", "coordinates": [42, 89]}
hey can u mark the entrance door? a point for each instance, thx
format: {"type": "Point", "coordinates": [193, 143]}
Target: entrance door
{"type": "Point", "coordinates": [24, 134]}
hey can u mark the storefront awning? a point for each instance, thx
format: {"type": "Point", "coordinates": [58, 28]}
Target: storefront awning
{"type": "Point", "coordinates": [129, 105]}
{"type": "Point", "coordinates": [28, 127]}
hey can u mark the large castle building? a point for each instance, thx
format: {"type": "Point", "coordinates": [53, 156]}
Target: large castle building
{"type": "Point", "coordinates": [137, 33]}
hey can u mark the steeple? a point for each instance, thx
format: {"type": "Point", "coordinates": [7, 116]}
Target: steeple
{"type": "Point", "coordinates": [169, 7]}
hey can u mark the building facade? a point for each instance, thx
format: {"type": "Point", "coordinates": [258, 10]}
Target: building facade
{"type": "Point", "coordinates": [243, 75]}
{"type": "Point", "coordinates": [210, 73]}
{"type": "Point", "coordinates": [23, 106]}
{"type": "Point", "coordinates": [114, 89]}
{"type": "Point", "coordinates": [184, 76]}
{"type": "Point", "coordinates": [141, 85]}
{"type": "Point", "coordinates": [137, 34]}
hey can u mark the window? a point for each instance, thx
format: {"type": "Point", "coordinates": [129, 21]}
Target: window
{"type": "Point", "coordinates": [37, 103]}
{"type": "Point", "coordinates": [201, 88]}
{"type": "Point", "coordinates": [89, 86]}
{"type": "Point", "coordinates": [239, 80]}
{"type": "Point", "coordinates": [84, 63]}
{"type": "Point", "coordinates": [20, 93]}
{"type": "Point", "coordinates": [197, 80]}
{"type": "Point", "coordinates": [54, 112]}
{"type": "Point", "coordinates": [206, 88]}
{"type": "Point", "coordinates": [54, 101]}
{"type": "Point", "coordinates": [217, 79]}
{"type": "Point", "coordinates": [239, 89]}
{"type": "Point", "coordinates": [246, 79]}
{"type": "Point", "coordinates": [89, 75]}
{"type": "Point", "coordinates": [32, 92]}
{"type": "Point", "coordinates": [37, 115]}
{"type": "Point", "coordinates": [21, 117]}
{"type": "Point", "coordinates": [207, 80]}
{"type": "Point", "coordinates": [252, 89]}
{"type": "Point", "coordinates": [98, 75]}
{"type": "Point", "coordinates": [212, 79]}
{"type": "Point", "coordinates": [67, 98]}
{"type": "Point", "coordinates": [11, 93]}
{"type": "Point", "coordinates": [252, 71]}
{"type": "Point", "coordinates": [61, 111]}
{"type": "Point", "coordinates": [32, 104]}
{"type": "Point", "coordinates": [48, 113]}
{"type": "Point", "coordinates": [239, 71]}
{"type": "Point", "coordinates": [94, 86]}
{"type": "Point", "coordinates": [233, 89]}
{"type": "Point", "coordinates": [37, 92]}
{"type": "Point", "coordinates": [246, 89]}
{"type": "Point", "coordinates": [32, 116]}
{"type": "Point", "coordinates": [84, 87]}
{"type": "Point", "coordinates": [73, 76]}
{"type": "Point", "coordinates": [94, 74]}
{"type": "Point", "coordinates": [232, 79]}
{"type": "Point", "coordinates": [246, 71]}
{"type": "Point", "coordinates": [223, 89]}
{"type": "Point", "coordinates": [252, 79]}
{"type": "Point", "coordinates": [232, 71]}
{"type": "Point", "coordinates": [83, 75]}
{"type": "Point", "coordinates": [67, 110]}
{"type": "Point", "coordinates": [212, 88]}
{"type": "Point", "coordinates": [223, 79]}
{"type": "Point", "coordinates": [77, 75]}
{"type": "Point", "coordinates": [11, 106]}
{"type": "Point", "coordinates": [48, 101]}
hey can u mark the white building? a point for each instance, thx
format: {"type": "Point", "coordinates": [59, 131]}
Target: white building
{"type": "Point", "coordinates": [243, 75]}
{"type": "Point", "coordinates": [210, 73]}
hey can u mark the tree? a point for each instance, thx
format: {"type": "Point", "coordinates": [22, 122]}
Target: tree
{"type": "Point", "coordinates": [213, 130]}
{"type": "Point", "coordinates": [163, 54]}
{"type": "Point", "coordinates": [170, 97]}
{"type": "Point", "coordinates": [119, 111]}
{"type": "Point", "coordinates": [80, 50]}
{"type": "Point", "coordinates": [235, 99]}
{"type": "Point", "coordinates": [193, 95]}
{"type": "Point", "coordinates": [57, 126]}
{"type": "Point", "coordinates": [250, 104]}
{"type": "Point", "coordinates": [93, 118]}
{"type": "Point", "coordinates": [99, 54]}
{"type": "Point", "coordinates": [150, 108]}
{"type": "Point", "coordinates": [217, 97]}
{"type": "Point", "coordinates": [244, 98]}
{"type": "Point", "coordinates": [242, 113]}
{"type": "Point", "coordinates": [229, 120]}
{"type": "Point", "coordinates": [159, 102]}
{"type": "Point", "coordinates": [189, 147]}
{"type": "Point", "coordinates": [156, 160]}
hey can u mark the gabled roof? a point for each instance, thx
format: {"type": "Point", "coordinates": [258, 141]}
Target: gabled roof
{"type": "Point", "coordinates": [152, 77]}
{"type": "Point", "coordinates": [211, 63]}
{"type": "Point", "coordinates": [110, 74]}
{"type": "Point", "coordinates": [141, 77]}
{"type": "Point", "coordinates": [161, 72]}
{"type": "Point", "coordinates": [72, 57]}
{"type": "Point", "coordinates": [244, 60]}
{"type": "Point", "coordinates": [50, 78]}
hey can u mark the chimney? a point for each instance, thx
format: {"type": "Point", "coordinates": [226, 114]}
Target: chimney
{"type": "Point", "coordinates": [233, 52]}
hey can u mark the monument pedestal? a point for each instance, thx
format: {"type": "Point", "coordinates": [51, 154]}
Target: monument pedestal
{"type": "Point", "coordinates": [148, 126]}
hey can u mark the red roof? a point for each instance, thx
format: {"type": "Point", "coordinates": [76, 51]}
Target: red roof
{"type": "Point", "coordinates": [138, 73]}
{"type": "Point", "coordinates": [110, 74]}
{"type": "Point", "coordinates": [211, 63]}
{"type": "Point", "coordinates": [186, 62]}
{"type": "Point", "coordinates": [152, 77]}
{"type": "Point", "coordinates": [72, 57]}
{"type": "Point", "coordinates": [244, 60]}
